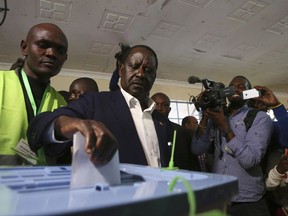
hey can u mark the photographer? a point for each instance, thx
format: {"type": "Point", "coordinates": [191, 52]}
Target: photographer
{"type": "Point", "coordinates": [238, 149]}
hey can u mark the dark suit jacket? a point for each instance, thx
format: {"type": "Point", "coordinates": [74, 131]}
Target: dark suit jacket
{"type": "Point", "coordinates": [111, 109]}
{"type": "Point", "coordinates": [183, 157]}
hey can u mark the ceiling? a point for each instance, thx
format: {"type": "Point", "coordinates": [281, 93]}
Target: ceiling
{"type": "Point", "coordinates": [213, 39]}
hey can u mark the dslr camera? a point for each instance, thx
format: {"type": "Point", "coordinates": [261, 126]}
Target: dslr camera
{"type": "Point", "coordinates": [214, 95]}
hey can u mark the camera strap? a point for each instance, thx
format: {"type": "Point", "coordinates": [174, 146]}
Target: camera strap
{"type": "Point", "coordinates": [218, 142]}
{"type": "Point", "coordinates": [249, 119]}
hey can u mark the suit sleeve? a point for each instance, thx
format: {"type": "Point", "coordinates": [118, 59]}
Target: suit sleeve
{"type": "Point", "coordinates": [39, 133]}
{"type": "Point", "coordinates": [39, 130]}
{"type": "Point", "coordinates": [281, 115]}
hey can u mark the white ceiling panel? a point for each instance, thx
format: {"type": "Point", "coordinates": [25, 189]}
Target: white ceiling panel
{"type": "Point", "coordinates": [214, 39]}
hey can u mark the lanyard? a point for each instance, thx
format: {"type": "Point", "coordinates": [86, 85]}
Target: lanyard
{"type": "Point", "coordinates": [30, 95]}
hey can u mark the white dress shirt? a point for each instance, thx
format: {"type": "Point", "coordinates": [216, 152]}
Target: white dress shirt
{"type": "Point", "coordinates": [145, 128]}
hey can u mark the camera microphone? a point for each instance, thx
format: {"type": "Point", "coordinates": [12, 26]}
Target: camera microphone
{"type": "Point", "coordinates": [194, 79]}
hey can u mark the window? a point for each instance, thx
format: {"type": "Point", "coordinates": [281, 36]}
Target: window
{"type": "Point", "coordinates": [181, 109]}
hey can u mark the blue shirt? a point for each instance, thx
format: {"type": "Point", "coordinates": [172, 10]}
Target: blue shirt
{"type": "Point", "coordinates": [241, 156]}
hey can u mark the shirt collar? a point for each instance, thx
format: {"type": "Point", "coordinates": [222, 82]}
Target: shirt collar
{"type": "Point", "coordinates": [132, 101]}
{"type": "Point", "coordinates": [241, 110]}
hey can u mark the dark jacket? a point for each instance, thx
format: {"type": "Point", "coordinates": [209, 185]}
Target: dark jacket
{"type": "Point", "coordinates": [111, 109]}
{"type": "Point", "coordinates": [183, 157]}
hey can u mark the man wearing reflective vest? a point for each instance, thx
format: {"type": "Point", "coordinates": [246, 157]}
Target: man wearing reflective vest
{"type": "Point", "coordinates": [26, 91]}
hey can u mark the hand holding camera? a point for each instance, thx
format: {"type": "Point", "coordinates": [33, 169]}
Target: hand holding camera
{"type": "Point", "coordinates": [215, 94]}
{"type": "Point", "coordinates": [267, 97]}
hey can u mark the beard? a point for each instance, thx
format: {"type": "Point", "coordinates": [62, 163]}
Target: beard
{"type": "Point", "coordinates": [236, 104]}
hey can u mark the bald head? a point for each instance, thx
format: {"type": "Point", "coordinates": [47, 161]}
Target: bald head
{"type": "Point", "coordinates": [44, 50]}
{"type": "Point", "coordinates": [49, 27]}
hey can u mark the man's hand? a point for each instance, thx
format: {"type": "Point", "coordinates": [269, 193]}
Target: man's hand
{"type": "Point", "coordinates": [99, 141]}
{"type": "Point", "coordinates": [218, 118]}
{"type": "Point", "coordinates": [282, 166]}
{"type": "Point", "coordinates": [267, 96]}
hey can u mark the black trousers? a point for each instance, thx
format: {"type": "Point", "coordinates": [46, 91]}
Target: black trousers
{"type": "Point", "coordinates": [259, 208]}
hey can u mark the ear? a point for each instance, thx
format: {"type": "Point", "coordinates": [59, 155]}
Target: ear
{"type": "Point", "coordinates": [120, 69]}
{"type": "Point", "coordinates": [24, 48]}
{"type": "Point", "coordinates": [169, 110]}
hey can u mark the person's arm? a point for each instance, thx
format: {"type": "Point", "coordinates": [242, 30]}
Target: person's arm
{"type": "Point", "coordinates": [202, 125]}
{"type": "Point", "coordinates": [267, 97]}
{"type": "Point", "coordinates": [201, 142]}
{"type": "Point", "coordinates": [220, 120]}
{"type": "Point", "coordinates": [280, 112]}
{"type": "Point", "coordinates": [40, 133]}
{"type": "Point", "coordinates": [281, 115]}
{"type": "Point", "coordinates": [100, 143]}
{"type": "Point", "coordinates": [249, 152]}
{"type": "Point", "coordinates": [276, 174]}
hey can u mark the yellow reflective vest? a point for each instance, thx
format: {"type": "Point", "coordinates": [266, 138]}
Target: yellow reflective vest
{"type": "Point", "coordinates": [13, 114]}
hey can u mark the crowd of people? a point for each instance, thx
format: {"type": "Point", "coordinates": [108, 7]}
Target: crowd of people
{"type": "Point", "coordinates": [241, 137]}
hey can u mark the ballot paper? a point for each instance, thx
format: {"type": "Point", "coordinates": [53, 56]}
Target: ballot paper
{"type": "Point", "coordinates": [85, 173]}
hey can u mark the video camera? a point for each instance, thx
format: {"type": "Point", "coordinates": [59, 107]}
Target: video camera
{"type": "Point", "coordinates": [214, 95]}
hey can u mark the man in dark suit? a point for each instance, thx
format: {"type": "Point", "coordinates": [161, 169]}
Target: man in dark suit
{"type": "Point", "coordinates": [183, 157]}
{"type": "Point", "coordinates": [125, 117]}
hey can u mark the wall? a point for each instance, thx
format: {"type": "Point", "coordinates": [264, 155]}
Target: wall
{"type": "Point", "coordinates": [175, 90]}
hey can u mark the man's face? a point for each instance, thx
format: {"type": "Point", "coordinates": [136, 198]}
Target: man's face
{"type": "Point", "coordinates": [192, 124]}
{"type": "Point", "coordinates": [46, 51]}
{"type": "Point", "coordinates": [138, 73]}
{"type": "Point", "coordinates": [240, 85]}
{"type": "Point", "coordinates": [76, 90]}
{"type": "Point", "coordinates": [162, 105]}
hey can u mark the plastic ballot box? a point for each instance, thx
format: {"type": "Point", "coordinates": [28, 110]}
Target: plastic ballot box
{"type": "Point", "coordinates": [143, 191]}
